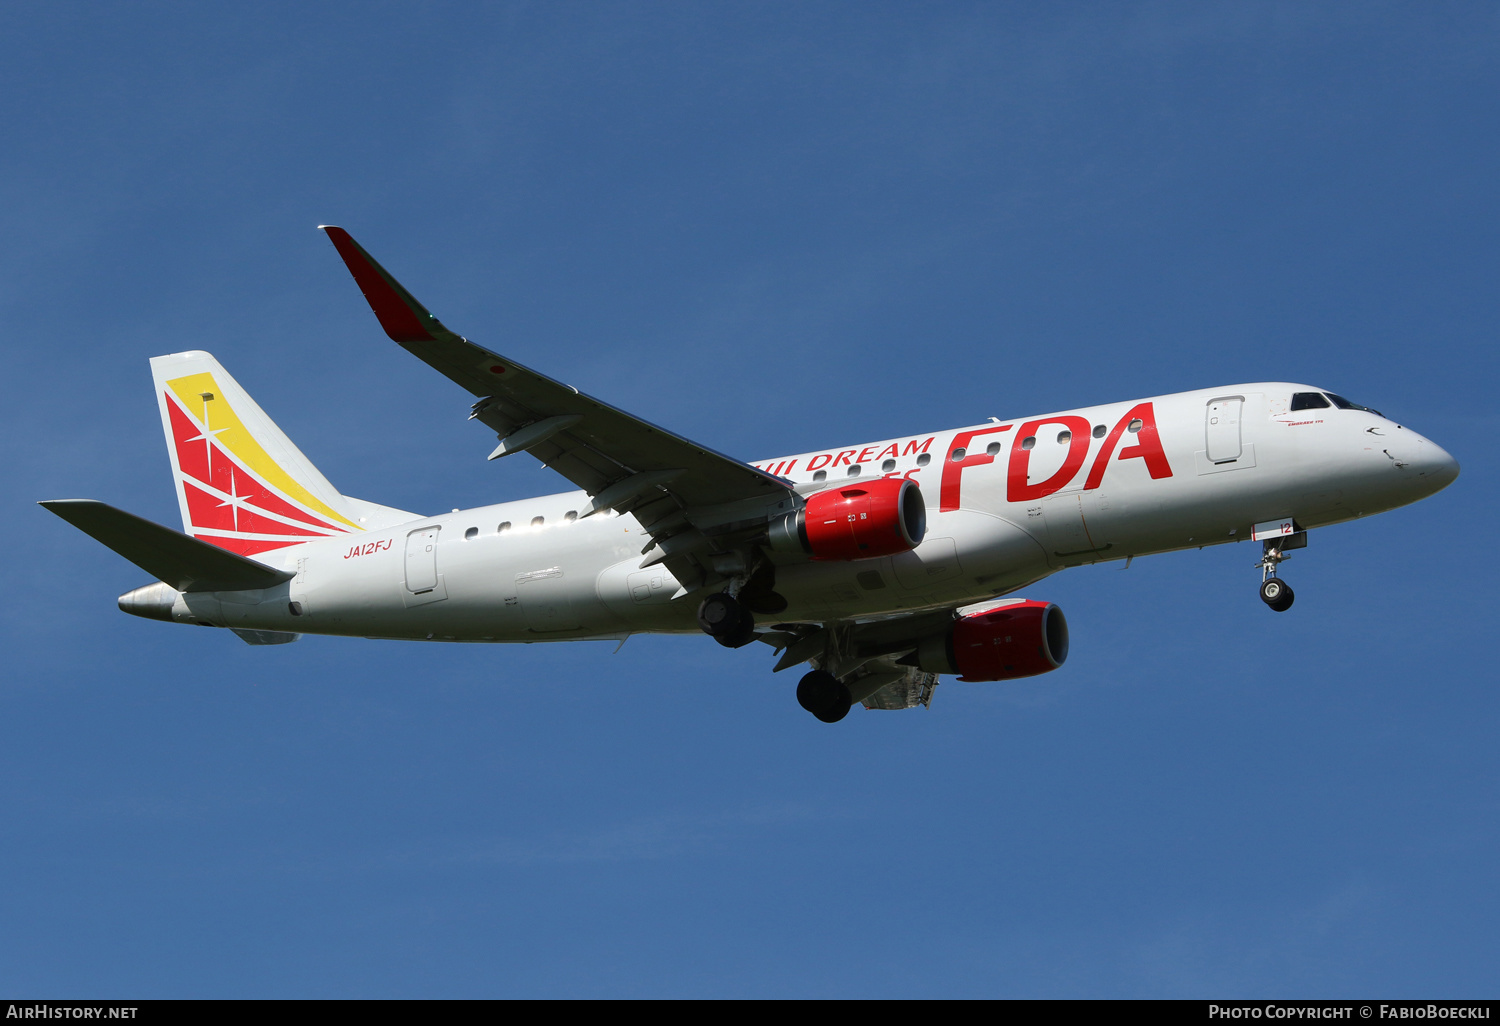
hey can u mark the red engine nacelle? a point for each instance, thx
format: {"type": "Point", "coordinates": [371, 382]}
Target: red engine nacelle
{"type": "Point", "coordinates": [1022, 639]}
{"type": "Point", "coordinates": [855, 521]}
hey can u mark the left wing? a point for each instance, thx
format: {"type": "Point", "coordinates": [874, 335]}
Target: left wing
{"type": "Point", "coordinates": [702, 509]}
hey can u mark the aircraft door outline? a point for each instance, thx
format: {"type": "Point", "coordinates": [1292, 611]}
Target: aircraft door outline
{"type": "Point", "coordinates": [421, 560]}
{"type": "Point", "coordinates": [1221, 426]}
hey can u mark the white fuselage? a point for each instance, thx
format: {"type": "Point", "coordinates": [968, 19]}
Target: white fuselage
{"type": "Point", "coordinates": [1002, 513]}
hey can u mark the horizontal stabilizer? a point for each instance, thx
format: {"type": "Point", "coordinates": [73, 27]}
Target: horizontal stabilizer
{"type": "Point", "coordinates": [187, 564]}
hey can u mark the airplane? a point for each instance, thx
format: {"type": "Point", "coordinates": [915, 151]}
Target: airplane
{"type": "Point", "coordinates": [883, 566]}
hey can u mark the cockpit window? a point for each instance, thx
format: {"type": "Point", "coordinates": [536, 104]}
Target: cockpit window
{"type": "Point", "coordinates": [1308, 401]}
{"type": "Point", "coordinates": [1345, 404]}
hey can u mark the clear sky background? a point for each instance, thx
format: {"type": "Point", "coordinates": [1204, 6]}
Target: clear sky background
{"type": "Point", "coordinates": [772, 228]}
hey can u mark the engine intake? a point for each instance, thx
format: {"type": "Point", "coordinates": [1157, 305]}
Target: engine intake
{"type": "Point", "coordinates": [1008, 642]}
{"type": "Point", "coordinates": [855, 521]}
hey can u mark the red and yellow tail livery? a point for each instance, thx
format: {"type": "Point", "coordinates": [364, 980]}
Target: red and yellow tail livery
{"type": "Point", "coordinates": [241, 483]}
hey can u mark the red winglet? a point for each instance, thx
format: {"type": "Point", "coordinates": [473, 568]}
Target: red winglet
{"type": "Point", "coordinates": [402, 317]}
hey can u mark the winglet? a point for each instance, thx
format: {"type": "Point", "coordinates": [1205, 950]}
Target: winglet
{"type": "Point", "coordinates": [403, 318]}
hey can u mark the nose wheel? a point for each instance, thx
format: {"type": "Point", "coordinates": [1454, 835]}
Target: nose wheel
{"type": "Point", "coordinates": [1275, 592]}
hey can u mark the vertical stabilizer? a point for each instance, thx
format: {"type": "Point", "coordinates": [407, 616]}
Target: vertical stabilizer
{"type": "Point", "coordinates": [241, 484]}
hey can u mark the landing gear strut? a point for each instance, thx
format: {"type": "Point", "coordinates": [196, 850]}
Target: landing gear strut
{"type": "Point", "coordinates": [725, 619]}
{"type": "Point", "coordinates": [1275, 592]}
{"type": "Point", "coordinates": [821, 694]}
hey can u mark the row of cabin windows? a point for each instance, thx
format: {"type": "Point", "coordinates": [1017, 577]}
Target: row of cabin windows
{"type": "Point", "coordinates": [1029, 442]}
{"type": "Point", "coordinates": [473, 532]}
{"type": "Point", "coordinates": [886, 467]}
{"type": "Point", "coordinates": [993, 449]}
{"type": "Point", "coordinates": [1300, 401]}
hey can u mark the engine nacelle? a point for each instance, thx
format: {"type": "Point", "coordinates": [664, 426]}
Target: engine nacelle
{"type": "Point", "coordinates": [1022, 639]}
{"type": "Point", "coordinates": [859, 520]}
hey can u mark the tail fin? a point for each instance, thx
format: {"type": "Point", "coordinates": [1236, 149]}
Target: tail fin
{"type": "Point", "coordinates": [241, 484]}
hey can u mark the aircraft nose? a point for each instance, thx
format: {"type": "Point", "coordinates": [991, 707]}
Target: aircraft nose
{"type": "Point", "coordinates": [1434, 465]}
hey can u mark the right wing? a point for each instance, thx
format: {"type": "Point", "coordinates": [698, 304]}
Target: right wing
{"type": "Point", "coordinates": [694, 502]}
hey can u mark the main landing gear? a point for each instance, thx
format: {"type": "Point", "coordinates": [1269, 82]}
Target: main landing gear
{"type": "Point", "coordinates": [822, 694]}
{"type": "Point", "coordinates": [729, 616]}
{"type": "Point", "coordinates": [1275, 592]}
{"type": "Point", "coordinates": [725, 619]}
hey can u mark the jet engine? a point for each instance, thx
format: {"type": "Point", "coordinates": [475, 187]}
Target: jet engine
{"type": "Point", "coordinates": [1021, 639]}
{"type": "Point", "coordinates": [855, 521]}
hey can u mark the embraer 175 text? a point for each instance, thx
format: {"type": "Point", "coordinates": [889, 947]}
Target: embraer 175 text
{"type": "Point", "coordinates": [881, 565]}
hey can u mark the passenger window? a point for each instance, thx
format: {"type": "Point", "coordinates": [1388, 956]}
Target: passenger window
{"type": "Point", "coordinates": [1308, 401]}
{"type": "Point", "coordinates": [821, 475]}
{"type": "Point", "coordinates": [888, 466]}
{"type": "Point", "coordinates": [958, 455]}
{"type": "Point", "coordinates": [1135, 425]}
{"type": "Point", "coordinates": [1064, 437]}
{"type": "Point", "coordinates": [854, 469]}
{"type": "Point", "coordinates": [992, 449]}
{"type": "Point", "coordinates": [924, 459]}
{"type": "Point", "coordinates": [503, 528]}
{"type": "Point", "coordinates": [1098, 430]}
{"type": "Point", "coordinates": [538, 521]}
{"type": "Point", "coordinates": [471, 534]}
{"type": "Point", "coordinates": [571, 515]}
{"type": "Point", "coordinates": [1029, 442]}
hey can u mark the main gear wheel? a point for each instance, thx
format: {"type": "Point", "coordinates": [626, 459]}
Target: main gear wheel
{"type": "Point", "coordinates": [725, 619]}
{"type": "Point", "coordinates": [824, 695]}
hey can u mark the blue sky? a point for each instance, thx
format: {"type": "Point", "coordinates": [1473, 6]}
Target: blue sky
{"type": "Point", "coordinates": [773, 228]}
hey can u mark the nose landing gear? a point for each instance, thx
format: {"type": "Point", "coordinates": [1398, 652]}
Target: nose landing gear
{"type": "Point", "coordinates": [1275, 592]}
